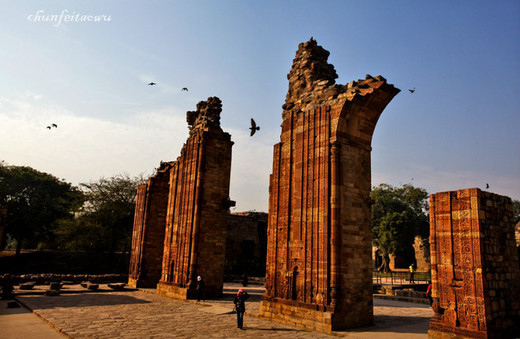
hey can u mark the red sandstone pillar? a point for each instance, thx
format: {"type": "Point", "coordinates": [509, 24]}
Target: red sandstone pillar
{"type": "Point", "coordinates": [475, 270]}
{"type": "Point", "coordinates": [335, 222]}
{"type": "Point", "coordinates": [319, 262]}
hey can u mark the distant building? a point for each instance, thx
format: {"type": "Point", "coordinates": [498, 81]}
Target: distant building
{"type": "Point", "coordinates": [246, 244]}
{"type": "Point", "coordinates": [418, 254]}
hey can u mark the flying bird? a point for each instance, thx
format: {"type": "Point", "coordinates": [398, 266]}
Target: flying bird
{"type": "Point", "coordinates": [184, 89]}
{"type": "Point", "coordinates": [254, 127]}
{"type": "Point", "coordinates": [412, 90]}
{"type": "Point", "coordinates": [48, 127]}
{"type": "Point", "coordinates": [152, 84]}
{"type": "Point", "coordinates": [54, 125]}
{"type": "Point", "coordinates": [487, 185]}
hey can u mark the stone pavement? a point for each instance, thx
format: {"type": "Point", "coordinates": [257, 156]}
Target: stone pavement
{"type": "Point", "coordinates": [20, 323]}
{"type": "Point", "coordinates": [138, 314]}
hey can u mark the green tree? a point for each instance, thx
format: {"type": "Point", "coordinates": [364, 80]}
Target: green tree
{"type": "Point", "coordinates": [399, 214]}
{"type": "Point", "coordinates": [516, 211]}
{"type": "Point", "coordinates": [105, 220]}
{"type": "Point", "coordinates": [35, 201]}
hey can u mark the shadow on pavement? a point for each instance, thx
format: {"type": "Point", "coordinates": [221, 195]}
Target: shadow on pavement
{"type": "Point", "coordinates": [79, 300]}
{"type": "Point", "coordinates": [273, 329]}
{"type": "Point", "coordinates": [393, 324]}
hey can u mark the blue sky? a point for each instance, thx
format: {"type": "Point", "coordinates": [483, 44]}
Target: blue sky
{"type": "Point", "coordinates": [460, 129]}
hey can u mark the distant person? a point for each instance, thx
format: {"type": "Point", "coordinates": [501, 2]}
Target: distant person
{"type": "Point", "coordinates": [245, 280]}
{"type": "Point", "coordinates": [200, 288]}
{"type": "Point", "coordinates": [411, 277]}
{"type": "Point", "coordinates": [240, 305]}
{"type": "Point", "coordinates": [429, 292]}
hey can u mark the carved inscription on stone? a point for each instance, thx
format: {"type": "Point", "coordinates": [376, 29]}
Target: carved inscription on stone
{"type": "Point", "coordinates": [475, 272]}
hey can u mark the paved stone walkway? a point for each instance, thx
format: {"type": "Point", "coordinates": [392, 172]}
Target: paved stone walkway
{"type": "Point", "coordinates": [138, 314]}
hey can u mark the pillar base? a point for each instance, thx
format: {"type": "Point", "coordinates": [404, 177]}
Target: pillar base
{"type": "Point", "coordinates": [171, 290]}
{"type": "Point", "coordinates": [139, 283]}
{"type": "Point", "coordinates": [463, 334]}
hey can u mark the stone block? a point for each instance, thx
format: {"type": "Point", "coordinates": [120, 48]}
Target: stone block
{"type": "Point", "coordinates": [477, 281]}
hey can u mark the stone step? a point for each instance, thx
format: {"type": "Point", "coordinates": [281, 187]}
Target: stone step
{"type": "Point", "coordinates": [410, 294]}
{"type": "Point", "coordinates": [402, 298]}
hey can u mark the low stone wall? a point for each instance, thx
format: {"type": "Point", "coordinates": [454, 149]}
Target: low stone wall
{"type": "Point", "coordinates": [173, 291]}
{"type": "Point", "coordinates": [135, 283]}
{"type": "Point", "coordinates": [46, 278]}
{"type": "Point", "coordinates": [292, 315]}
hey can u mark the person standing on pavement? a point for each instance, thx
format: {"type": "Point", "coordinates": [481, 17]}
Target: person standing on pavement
{"type": "Point", "coordinates": [429, 293]}
{"type": "Point", "coordinates": [200, 288]}
{"type": "Point", "coordinates": [240, 305]}
{"type": "Point", "coordinates": [412, 280]}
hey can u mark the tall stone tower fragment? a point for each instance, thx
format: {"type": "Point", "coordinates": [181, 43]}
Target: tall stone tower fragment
{"type": "Point", "coordinates": [148, 232]}
{"type": "Point", "coordinates": [197, 208]}
{"type": "Point", "coordinates": [319, 265]}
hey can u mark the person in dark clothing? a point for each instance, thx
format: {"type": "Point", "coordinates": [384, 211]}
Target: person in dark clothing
{"type": "Point", "coordinates": [429, 292]}
{"type": "Point", "coordinates": [200, 288]}
{"type": "Point", "coordinates": [240, 305]}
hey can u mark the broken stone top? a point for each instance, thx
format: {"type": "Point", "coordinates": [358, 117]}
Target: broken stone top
{"type": "Point", "coordinates": [309, 68]}
{"type": "Point", "coordinates": [207, 114]}
{"type": "Point", "coordinates": [312, 80]}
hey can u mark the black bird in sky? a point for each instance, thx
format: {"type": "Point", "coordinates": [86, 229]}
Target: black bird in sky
{"type": "Point", "coordinates": [184, 89]}
{"type": "Point", "coordinates": [54, 125]}
{"type": "Point", "coordinates": [48, 127]}
{"type": "Point", "coordinates": [487, 185]}
{"type": "Point", "coordinates": [152, 84]}
{"type": "Point", "coordinates": [412, 90]}
{"type": "Point", "coordinates": [254, 127]}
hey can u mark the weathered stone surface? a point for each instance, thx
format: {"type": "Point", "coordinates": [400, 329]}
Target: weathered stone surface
{"type": "Point", "coordinates": [422, 254]}
{"type": "Point", "coordinates": [27, 286]}
{"type": "Point", "coordinates": [197, 207]}
{"type": "Point", "coordinates": [55, 286]}
{"type": "Point", "coordinates": [319, 265]}
{"type": "Point", "coordinates": [46, 278]}
{"type": "Point", "coordinates": [475, 271]}
{"type": "Point", "coordinates": [117, 286]}
{"type": "Point", "coordinates": [148, 232]}
{"type": "Point", "coordinates": [51, 293]}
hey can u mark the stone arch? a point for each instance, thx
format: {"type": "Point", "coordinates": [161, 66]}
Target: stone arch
{"type": "Point", "coordinates": [319, 201]}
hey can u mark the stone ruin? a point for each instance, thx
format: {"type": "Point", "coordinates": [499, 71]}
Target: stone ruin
{"type": "Point", "coordinates": [180, 222]}
{"type": "Point", "coordinates": [475, 272]}
{"type": "Point", "coordinates": [148, 231]}
{"type": "Point", "coordinates": [319, 264]}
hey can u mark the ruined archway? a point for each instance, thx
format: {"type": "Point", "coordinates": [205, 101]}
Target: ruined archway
{"type": "Point", "coordinates": [319, 202]}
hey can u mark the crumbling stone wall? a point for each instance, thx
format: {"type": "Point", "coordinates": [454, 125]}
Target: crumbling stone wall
{"type": "Point", "coordinates": [246, 244]}
{"type": "Point", "coordinates": [197, 209]}
{"type": "Point", "coordinates": [475, 271]}
{"type": "Point", "coordinates": [148, 231]}
{"type": "Point", "coordinates": [319, 265]}
{"type": "Point", "coordinates": [419, 255]}
{"type": "Point", "coordinates": [422, 254]}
